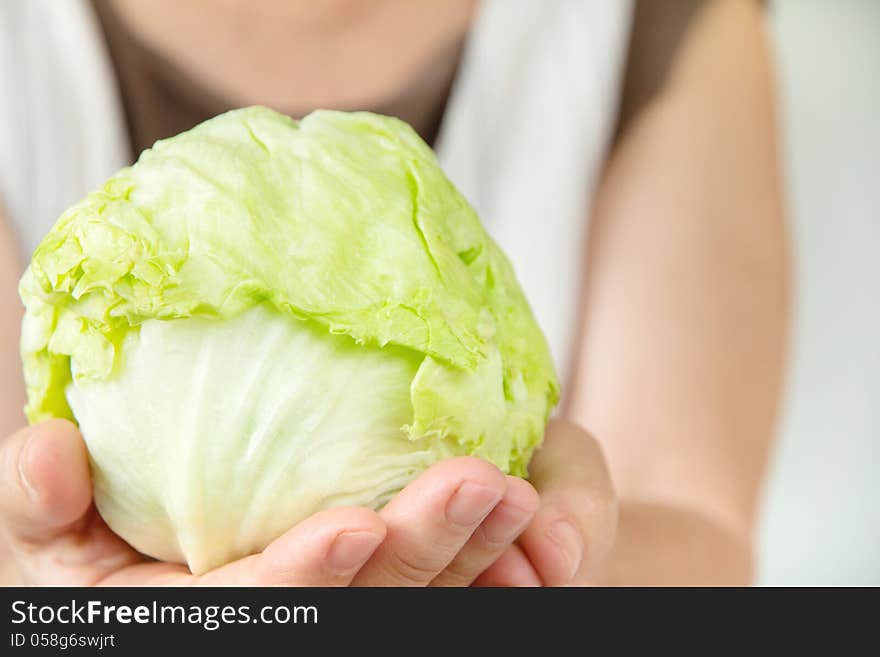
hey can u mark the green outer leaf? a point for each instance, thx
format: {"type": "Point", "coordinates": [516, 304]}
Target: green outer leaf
{"type": "Point", "coordinates": [342, 218]}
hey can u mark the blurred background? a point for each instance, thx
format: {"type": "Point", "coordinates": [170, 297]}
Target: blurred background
{"type": "Point", "coordinates": [821, 522]}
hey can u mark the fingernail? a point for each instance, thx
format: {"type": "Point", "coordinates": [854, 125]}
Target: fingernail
{"type": "Point", "coordinates": [471, 503]}
{"type": "Point", "coordinates": [351, 549]}
{"type": "Point", "coordinates": [569, 541]}
{"type": "Point", "coordinates": [24, 464]}
{"type": "Point", "coordinates": [511, 523]}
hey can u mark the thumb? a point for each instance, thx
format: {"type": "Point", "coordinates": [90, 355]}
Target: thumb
{"type": "Point", "coordinates": [45, 484]}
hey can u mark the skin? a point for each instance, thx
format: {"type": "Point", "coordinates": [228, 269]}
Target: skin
{"type": "Point", "coordinates": [341, 53]}
{"type": "Point", "coordinates": [680, 359]}
{"type": "Point", "coordinates": [686, 310]}
{"type": "Point", "coordinates": [12, 395]}
{"type": "Point", "coordinates": [445, 529]}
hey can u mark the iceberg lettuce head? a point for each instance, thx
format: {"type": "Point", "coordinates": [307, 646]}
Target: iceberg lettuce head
{"type": "Point", "coordinates": [264, 317]}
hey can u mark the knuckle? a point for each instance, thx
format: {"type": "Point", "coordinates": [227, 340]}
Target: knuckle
{"type": "Point", "coordinates": [471, 467]}
{"type": "Point", "coordinates": [593, 513]}
{"type": "Point", "coordinates": [411, 568]}
{"type": "Point", "coordinates": [457, 574]}
{"type": "Point", "coordinates": [477, 555]}
{"type": "Point", "coordinates": [487, 544]}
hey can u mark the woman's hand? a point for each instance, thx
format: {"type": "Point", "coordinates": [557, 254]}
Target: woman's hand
{"type": "Point", "coordinates": [574, 529]}
{"type": "Point", "coordinates": [445, 528]}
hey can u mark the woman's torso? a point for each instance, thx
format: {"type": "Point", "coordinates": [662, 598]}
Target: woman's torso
{"type": "Point", "coordinates": [522, 131]}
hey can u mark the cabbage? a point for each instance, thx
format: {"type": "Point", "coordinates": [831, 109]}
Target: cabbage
{"type": "Point", "coordinates": [263, 318]}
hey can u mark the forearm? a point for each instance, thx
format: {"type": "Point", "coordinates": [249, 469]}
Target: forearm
{"type": "Point", "coordinates": [687, 309]}
{"type": "Point", "coordinates": [667, 545]}
{"type": "Point", "coordinates": [12, 396]}
{"type": "Point", "coordinates": [11, 383]}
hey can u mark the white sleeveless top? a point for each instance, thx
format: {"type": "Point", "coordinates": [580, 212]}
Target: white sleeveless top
{"type": "Point", "coordinates": [524, 135]}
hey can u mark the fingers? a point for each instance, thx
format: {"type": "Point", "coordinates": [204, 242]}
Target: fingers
{"type": "Point", "coordinates": [575, 527]}
{"type": "Point", "coordinates": [326, 549]}
{"type": "Point", "coordinates": [494, 536]}
{"type": "Point", "coordinates": [431, 520]}
{"type": "Point", "coordinates": [448, 526]}
{"type": "Point", "coordinates": [512, 568]}
{"type": "Point", "coordinates": [55, 534]}
{"type": "Point", "coordinates": [45, 484]}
